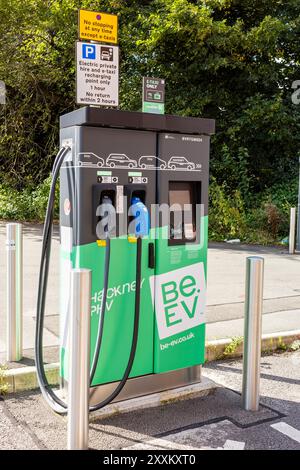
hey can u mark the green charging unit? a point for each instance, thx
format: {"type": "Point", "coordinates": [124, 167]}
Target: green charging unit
{"type": "Point", "coordinates": [164, 161]}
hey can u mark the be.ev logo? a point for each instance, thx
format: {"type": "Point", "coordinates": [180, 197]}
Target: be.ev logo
{"type": "Point", "coordinates": [89, 51]}
{"type": "Point", "coordinates": [179, 299]}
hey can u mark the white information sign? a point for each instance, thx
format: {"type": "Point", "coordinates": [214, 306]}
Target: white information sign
{"type": "Point", "coordinates": [97, 74]}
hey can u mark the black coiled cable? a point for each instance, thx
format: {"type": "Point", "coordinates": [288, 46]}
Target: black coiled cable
{"type": "Point", "coordinates": [54, 401]}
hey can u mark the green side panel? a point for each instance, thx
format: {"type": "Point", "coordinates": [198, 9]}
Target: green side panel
{"type": "Point", "coordinates": [180, 295]}
{"type": "Point", "coordinates": [120, 304]}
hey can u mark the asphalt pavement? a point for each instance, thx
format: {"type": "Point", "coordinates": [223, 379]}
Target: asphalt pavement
{"type": "Point", "coordinates": [216, 421]}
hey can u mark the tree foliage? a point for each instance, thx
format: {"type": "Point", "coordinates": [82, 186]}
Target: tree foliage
{"type": "Point", "coordinates": [232, 60]}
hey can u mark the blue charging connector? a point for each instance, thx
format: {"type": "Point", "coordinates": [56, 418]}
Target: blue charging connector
{"type": "Point", "coordinates": [141, 217]}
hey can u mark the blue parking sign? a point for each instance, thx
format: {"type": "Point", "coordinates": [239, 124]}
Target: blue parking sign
{"type": "Point", "coordinates": [88, 51]}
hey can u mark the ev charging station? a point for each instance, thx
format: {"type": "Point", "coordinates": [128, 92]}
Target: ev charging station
{"type": "Point", "coordinates": [118, 171]}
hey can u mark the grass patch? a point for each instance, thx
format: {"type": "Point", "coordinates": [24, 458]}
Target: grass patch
{"type": "Point", "coordinates": [231, 348]}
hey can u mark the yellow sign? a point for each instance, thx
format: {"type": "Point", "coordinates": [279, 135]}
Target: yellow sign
{"type": "Point", "coordinates": [98, 26]}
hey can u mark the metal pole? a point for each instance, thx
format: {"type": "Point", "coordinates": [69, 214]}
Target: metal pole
{"type": "Point", "coordinates": [252, 332]}
{"type": "Point", "coordinates": [292, 230]}
{"type": "Point", "coordinates": [79, 360]}
{"type": "Point", "coordinates": [14, 297]}
{"type": "Point", "coordinates": [298, 218]}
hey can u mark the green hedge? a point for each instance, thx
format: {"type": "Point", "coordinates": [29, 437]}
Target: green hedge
{"type": "Point", "coordinates": [29, 204]}
{"type": "Point", "coordinates": [263, 218]}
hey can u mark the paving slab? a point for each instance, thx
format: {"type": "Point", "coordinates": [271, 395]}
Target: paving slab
{"type": "Point", "coordinates": [271, 323]}
{"type": "Point", "coordinates": [227, 268]}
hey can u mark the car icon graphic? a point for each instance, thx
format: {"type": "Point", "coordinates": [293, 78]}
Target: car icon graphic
{"type": "Point", "coordinates": [180, 162]}
{"type": "Point", "coordinates": [90, 159]}
{"type": "Point", "coordinates": [105, 55]}
{"type": "Point", "coordinates": [150, 161]}
{"type": "Point", "coordinates": [120, 160]}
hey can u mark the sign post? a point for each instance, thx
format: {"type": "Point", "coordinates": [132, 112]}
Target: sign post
{"type": "Point", "coordinates": [153, 95]}
{"type": "Point", "coordinates": [97, 77]}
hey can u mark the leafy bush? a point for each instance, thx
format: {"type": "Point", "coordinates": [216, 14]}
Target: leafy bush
{"type": "Point", "coordinates": [283, 195]}
{"type": "Point", "coordinates": [234, 166]}
{"type": "Point", "coordinates": [29, 204]}
{"type": "Point", "coordinates": [264, 219]}
{"type": "Point", "coordinates": [40, 199]}
{"type": "Point", "coordinates": [273, 218]}
{"type": "Point", "coordinates": [274, 205]}
{"type": "Point", "coordinates": [227, 218]}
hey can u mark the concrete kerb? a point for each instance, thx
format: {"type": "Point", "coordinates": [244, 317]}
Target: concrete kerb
{"type": "Point", "coordinates": [230, 348]}
{"type": "Point", "coordinates": [25, 378]}
{"type": "Point", "coordinates": [21, 379]}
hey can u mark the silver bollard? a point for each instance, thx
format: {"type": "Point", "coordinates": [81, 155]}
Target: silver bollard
{"type": "Point", "coordinates": [79, 360]}
{"type": "Point", "coordinates": [14, 296]}
{"type": "Point", "coordinates": [292, 230]}
{"type": "Point", "coordinates": [252, 332]}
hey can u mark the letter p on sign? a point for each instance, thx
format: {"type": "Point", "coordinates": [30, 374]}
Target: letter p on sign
{"type": "Point", "coordinates": [88, 51]}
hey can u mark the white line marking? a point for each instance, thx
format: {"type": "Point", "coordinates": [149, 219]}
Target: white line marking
{"type": "Point", "coordinates": [234, 445]}
{"type": "Point", "coordinates": [160, 444]}
{"type": "Point", "coordinates": [288, 430]}
{"type": "Point", "coordinates": [164, 444]}
{"type": "Point", "coordinates": [186, 436]}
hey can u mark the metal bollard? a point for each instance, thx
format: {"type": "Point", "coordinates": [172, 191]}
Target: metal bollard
{"type": "Point", "coordinates": [79, 360]}
{"type": "Point", "coordinates": [292, 230]}
{"type": "Point", "coordinates": [252, 332]}
{"type": "Point", "coordinates": [14, 296]}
